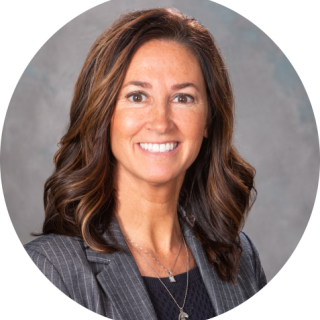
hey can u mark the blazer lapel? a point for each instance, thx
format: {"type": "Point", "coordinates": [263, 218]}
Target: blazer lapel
{"type": "Point", "coordinates": [223, 295]}
{"type": "Point", "coordinates": [208, 274]}
{"type": "Point", "coordinates": [121, 281]}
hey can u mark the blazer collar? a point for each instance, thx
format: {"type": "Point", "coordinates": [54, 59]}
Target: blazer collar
{"type": "Point", "coordinates": [121, 280]}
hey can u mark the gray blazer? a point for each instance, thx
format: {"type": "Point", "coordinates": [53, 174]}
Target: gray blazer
{"type": "Point", "coordinates": [111, 284]}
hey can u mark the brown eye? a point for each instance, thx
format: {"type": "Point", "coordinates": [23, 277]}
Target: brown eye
{"type": "Point", "coordinates": [183, 98]}
{"type": "Point", "coordinates": [137, 97]}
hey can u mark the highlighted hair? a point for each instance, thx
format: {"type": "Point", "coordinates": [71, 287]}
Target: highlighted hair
{"type": "Point", "coordinates": [218, 189]}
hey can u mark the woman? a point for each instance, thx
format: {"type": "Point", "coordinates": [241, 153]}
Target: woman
{"type": "Point", "coordinates": [145, 208]}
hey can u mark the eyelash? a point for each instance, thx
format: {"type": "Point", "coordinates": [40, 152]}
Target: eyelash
{"type": "Point", "coordinates": [132, 94]}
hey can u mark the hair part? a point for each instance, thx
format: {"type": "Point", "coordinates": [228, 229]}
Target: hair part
{"type": "Point", "coordinates": [218, 189]}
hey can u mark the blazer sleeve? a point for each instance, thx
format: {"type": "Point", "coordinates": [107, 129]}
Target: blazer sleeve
{"type": "Point", "coordinates": [259, 272]}
{"type": "Point", "coordinates": [47, 268]}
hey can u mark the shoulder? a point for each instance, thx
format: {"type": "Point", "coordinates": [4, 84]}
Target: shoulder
{"type": "Point", "coordinates": [58, 258]}
{"type": "Point", "coordinates": [63, 260]}
{"type": "Point", "coordinates": [56, 247]}
{"type": "Point", "coordinates": [250, 260]}
{"type": "Point", "coordinates": [249, 253]}
{"type": "Point", "coordinates": [248, 247]}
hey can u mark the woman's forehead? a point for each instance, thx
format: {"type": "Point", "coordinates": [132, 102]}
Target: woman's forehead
{"type": "Point", "coordinates": [163, 52]}
{"type": "Point", "coordinates": [164, 59]}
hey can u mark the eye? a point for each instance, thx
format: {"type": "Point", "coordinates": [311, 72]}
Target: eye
{"type": "Point", "coordinates": [136, 97]}
{"type": "Point", "coordinates": [183, 98]}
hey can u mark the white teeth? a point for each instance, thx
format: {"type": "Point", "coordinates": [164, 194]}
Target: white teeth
{"type": "Point", "coordinates": [155, 147]}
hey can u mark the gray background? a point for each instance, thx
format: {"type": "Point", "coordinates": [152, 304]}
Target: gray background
{"type": "Point", "coordinates": [275, 126]}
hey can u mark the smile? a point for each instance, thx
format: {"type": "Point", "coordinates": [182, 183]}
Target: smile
{"type": "Point", "coordinates": [155, 147]}
{"type": "Point", "coordinates": [162, 150]}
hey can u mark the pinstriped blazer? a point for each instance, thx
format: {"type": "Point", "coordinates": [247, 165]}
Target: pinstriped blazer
{"type": "Point", "coordinates": [111, 284]}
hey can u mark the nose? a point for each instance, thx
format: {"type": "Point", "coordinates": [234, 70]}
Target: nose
{"type": "Point", "coordinates": [160, 117]}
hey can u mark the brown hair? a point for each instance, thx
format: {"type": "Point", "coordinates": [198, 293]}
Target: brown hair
{"type": "Point", "coordinates": [79, 197]}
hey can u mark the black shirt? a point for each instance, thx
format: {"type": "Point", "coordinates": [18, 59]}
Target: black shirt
{"type": "Point", "coordinates": [198, 305]}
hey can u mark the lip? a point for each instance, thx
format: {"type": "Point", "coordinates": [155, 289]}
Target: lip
{"type": "Point", "coordinates": [160, 154]}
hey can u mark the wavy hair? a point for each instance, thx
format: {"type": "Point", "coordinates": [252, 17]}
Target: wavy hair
{"type": "Point", "coordinates": [218, 189]}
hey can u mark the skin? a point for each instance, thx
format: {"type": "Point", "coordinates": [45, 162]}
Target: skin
{"type": "Point", "coordinates": [162, 99]}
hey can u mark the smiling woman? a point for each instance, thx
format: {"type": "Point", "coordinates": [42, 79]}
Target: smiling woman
{"type": "Point", "coordinates": [145, 208]}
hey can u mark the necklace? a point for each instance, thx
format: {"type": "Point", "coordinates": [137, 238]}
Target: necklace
{"type": "Point", "coordinates": [182, 315]}
{"type": "Point", "coordinates": [171, 277]}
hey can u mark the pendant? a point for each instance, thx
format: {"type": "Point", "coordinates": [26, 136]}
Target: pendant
{"type": "Point", "coordinates": [183, 315]}
{"type": "Point", "coordinates": [171, 277]}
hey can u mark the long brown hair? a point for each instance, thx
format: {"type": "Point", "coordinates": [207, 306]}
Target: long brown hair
{"type": "Point", "coordinates": [218, 189]}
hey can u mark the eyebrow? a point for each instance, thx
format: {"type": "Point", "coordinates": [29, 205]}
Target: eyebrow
{"type": "Point", "coordinates": [148, 85]}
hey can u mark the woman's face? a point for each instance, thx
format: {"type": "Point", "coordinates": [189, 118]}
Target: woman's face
{"type": "Point", "coordinates": [160, 116]}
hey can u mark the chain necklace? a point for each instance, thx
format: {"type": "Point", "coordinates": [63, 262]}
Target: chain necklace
{"type": "Point", "coordinates": [171, 277]}
{"type": "Point", "coordinates": [182, 315]}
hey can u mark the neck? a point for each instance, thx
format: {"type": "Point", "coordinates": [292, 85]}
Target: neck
{"type": "Point", "coordinates": [152, 230]}
{"type": "Point", "coordinates": [147, 213]}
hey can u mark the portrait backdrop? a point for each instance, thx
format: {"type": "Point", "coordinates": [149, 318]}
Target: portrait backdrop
{"type": "Point", "coordinates": [275, 126]}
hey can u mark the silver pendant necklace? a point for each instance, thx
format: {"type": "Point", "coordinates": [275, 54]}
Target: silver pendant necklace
{"type": "Point", "coordinates": [182, 315]}
{"type": "Point", "coordinates": [171, 277]}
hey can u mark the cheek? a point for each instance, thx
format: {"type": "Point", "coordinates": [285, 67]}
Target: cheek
{"type": "Point", "coordinates": [124, 122]}
{"type": "Point", "coordinates": [123, 128]}
{"type": "Point", "coordinates": [192, 124]}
